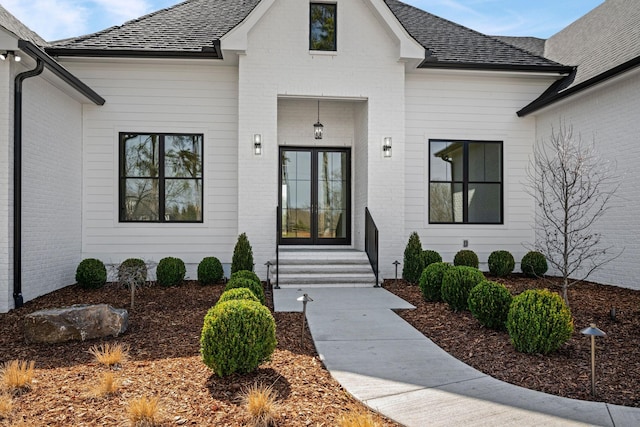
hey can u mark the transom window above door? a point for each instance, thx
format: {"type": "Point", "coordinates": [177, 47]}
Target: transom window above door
{"type": "Point", "coordinates": [323, 26]}
{"type": "Point", "coordinates": [160, 177]}
{"type": "Point", "coordinates": [465, 182]}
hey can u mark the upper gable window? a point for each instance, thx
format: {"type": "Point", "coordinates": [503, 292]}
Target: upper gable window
{"type": "Point", "coordinates": [322, 26]}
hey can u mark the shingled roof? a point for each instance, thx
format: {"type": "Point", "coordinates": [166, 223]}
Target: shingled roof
{"type": "Point", "coordinates": [534, 45]}
{"type": "Point", "coordinates": [602, 44]}
{"type": "Point", "coordinates": [193, 27]}
{"type": "Point", "coordinates": [17, 28]}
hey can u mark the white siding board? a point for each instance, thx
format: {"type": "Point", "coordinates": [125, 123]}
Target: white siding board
{"type": "Point", "coordinates": [167, 97]}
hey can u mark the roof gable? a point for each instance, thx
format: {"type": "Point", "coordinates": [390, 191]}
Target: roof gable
{"type": "Point", "coordinates": [195, 28]}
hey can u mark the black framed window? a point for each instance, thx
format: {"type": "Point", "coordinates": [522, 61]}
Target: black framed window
{"type": "Point", "coordinates": [160, 177]}
{"type": "Point", "coordinates": [323, 26]}
{"type": "Point", "coordinates": [465, 182]}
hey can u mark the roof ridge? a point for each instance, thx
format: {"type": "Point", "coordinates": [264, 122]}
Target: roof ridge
{"type": "Point", "coordinates": [523, 49]}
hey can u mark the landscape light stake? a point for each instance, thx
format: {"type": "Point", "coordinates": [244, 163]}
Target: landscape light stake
{"type": "Point", "coordinates": [305, 299]}
{"type": "Point", "coordinates": [268, 264]}
{"type": "Point", "coordinates": [593, 332]}
{"type": "Point", "coordinates": [396, 263]}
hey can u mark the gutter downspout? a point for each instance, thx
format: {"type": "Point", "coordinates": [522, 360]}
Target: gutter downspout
{"type": "Point", "coordinates": [17, 180]}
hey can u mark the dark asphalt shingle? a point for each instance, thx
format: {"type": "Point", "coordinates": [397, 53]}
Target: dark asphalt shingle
{"type": "Point", "coordinates": [12, 24]}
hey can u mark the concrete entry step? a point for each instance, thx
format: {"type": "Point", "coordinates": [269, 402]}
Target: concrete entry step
{"type": "Point", "coordinates": [323, 267]}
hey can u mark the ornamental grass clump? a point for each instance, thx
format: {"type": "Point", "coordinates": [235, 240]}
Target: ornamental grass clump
{"type": "Point", "coordinates": [489, 302]}
{"type": "Point", "coordinates": [6, 405]}
{"type": "Point", "coordinates": [210, 271]}
{"type": "Point", "coordinates": [237, 336]}
{"type": "Point", "coordinates": [358, 419]}
{"type": "Point", "coordinates": [110, 354]}
{"type": "Point", "coordinates": [252, 285]}
{"type": "Point", "coordinates": [501, 263]}
{"type": "Point", "coordinates": [467, 258]}
{"type": "Point", "coordinates": [17, 375]}
{"type": "Point", "coordinates": [413, 259]}
{"type": "Point", "coordinates": [431, 281]}
{"type": "Point", "coordinates": [534, 264]}
{"type": "Point", "coordinates": [539, 322]}
{"type": "Point", "coordinates": [170, 271]}
{"type": "Point", "coordinates": [108, 385]}
{"type": "Point", "coordinates": [457, 282]}
{"type": "Point", "coordinates": [91, 274]}
{"type": "Point", "coordinates": [261, 406]}
{"type": "Point", "coordinates": [143, 412]}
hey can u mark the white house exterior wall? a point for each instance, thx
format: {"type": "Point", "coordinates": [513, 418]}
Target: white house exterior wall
{"type": "Point", "coordinates": [468, 106]}
{"type": "Point", "coordinates": [160, 96]}
{"type": "Point", "coordinates": [608, 115]}
{"type": "Point", "coordinates": [365, 68]}
{"type": "Point", "coordinates": [6, 195]}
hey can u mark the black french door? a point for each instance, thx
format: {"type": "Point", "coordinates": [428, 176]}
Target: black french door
{"type": "Point", "coordinates": [315, 196]}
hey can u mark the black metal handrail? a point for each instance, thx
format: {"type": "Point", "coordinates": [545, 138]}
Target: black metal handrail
{"type": "Point", "coordinates": [371, 243]}
{"type": "Point", "coordinates": [278, 234]}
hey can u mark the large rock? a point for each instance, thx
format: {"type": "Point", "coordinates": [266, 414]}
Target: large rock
{"type": "Point", "coordinates": [78, 322]}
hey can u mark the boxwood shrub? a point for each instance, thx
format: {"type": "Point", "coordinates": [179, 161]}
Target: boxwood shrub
{"type": "Point", "coordinates": [457, 282]}
{"type": "Point", "coordinates": [91, 274]}
{"type": "Point", "coordinates": [534, 264]}
{"type": "Point", "coordinates": [241, 282]}
{"type": "Point", "coordinates": [431, 281]}
{"type": "Point", "coordinates": [237, 293]}
{"type": "Point", "coordinates": [210, 271]}
{"type": "Point", "coordinates": [245, 274]}
{"type": "Point", "coordinates": [489, 302]}
{"type": "Point", "coordinates": [237, 336]}
{"type": "Point", "coordinates": [170, 271]}
{"type": "Point", "coordinates": [539, 322]}
{"type": "Point", "coordinates": [467, 258]}
{"type": "Point", "coordinates": [430, 257]}
{"type": "Point", "coordinates": [501, 263]}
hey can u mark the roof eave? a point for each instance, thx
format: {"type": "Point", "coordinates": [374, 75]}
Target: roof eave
{"type": "Point", "coordinates": [547, 99]}
{"type": "Point", "coordinates": [212, 52]}
{"type": "Point", "coordinates": [35, 52]}
{"type": "Point", "coordinates": [551, 69]}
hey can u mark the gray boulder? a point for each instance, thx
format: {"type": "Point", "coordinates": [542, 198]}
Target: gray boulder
{"type": "Point", "coordinates": [78, 322]}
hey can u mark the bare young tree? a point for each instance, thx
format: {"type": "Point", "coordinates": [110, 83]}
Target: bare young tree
{"type": "Point", "coordinates": [572, 187]}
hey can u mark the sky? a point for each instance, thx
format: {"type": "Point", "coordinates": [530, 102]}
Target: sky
{"type": "Point", "coordinates": [58, 19]}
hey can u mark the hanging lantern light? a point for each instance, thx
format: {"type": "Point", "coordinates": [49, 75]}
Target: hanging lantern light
{"type": "Point", "coordinates": [318, 128]}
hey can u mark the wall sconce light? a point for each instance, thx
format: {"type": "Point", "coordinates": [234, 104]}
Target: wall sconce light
{"type": "Point", "coordinates": [386, 146]}
{"type": "Point", "coordinates": [257, 144]}
{"type": "Point", "coordinates": [318, 128]}
{"type": "Point", "coordinates": [5, 55]}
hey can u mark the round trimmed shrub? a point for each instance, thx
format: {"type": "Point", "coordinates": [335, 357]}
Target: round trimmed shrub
{"type": "Point", "coordinates": [241, 282]}
{"type": "Point", "coordinates": [413, 263]}
{"type": "Point", "coordinates": [467, 258]}
{"type": "Point", "coordinates": [539, 322]}
{"type": "Point", "coordinates": [132, 271]}
{"type": "Point", "coordinates": [534, 264]}
{"type": "Point", "coordinates": [245, 274]}
{"type": "Point", "coordinates": [431, 280]}
{"type": "Point", "coordinates": [170, 271]}
{"type": "Point", "coordinates": [242, 255]}
{"type": "Point", "coordinates": [91, 274]}
{"type": "Point", "coordinates": [457, 282]}
{"type": "Point", "coordinates": [489, 302]}
{"type": "Point", "coordinates": [237, 336]}
{"type": "Point", "coordinates": [237, 293]}
{"type": "Point", "coordinates": [430, 257]}
{"type": "Point", "coordinates": [210, 271]}
{"type": "Point", "coordinates": [501, 263]}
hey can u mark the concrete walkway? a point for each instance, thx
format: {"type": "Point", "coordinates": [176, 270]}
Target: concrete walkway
{"type": "Point", "coordinates": [391, 367]}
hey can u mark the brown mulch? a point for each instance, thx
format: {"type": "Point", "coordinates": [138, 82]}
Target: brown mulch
{"type": "Point", "coordinates": [163, 336]}
{"type": "Point", "coordinates": [566, 372]}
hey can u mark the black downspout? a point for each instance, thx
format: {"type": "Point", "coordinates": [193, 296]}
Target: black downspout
{"type": "Point", "coordinates": [17, 180]}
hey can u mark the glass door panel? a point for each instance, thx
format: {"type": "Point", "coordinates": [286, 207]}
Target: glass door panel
{"type": "Point", "coordinates": [315, 196]}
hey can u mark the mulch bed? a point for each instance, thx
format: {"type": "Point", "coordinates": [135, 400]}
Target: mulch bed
{"type": "Point", "coordinates": [163, 336]}
{"type": "Point", "coordinates": [564, 373]}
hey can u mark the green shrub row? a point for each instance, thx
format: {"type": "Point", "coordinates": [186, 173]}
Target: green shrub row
{"type": "Point", "coordinates": [501, 263]}
{"type": "Point", "coordinates": [538, 321]}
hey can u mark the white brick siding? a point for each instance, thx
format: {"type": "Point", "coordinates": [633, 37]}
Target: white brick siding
{"type": "Point", "coordinates": [6, 195]}
{"type": "Point", "coordinates": [608, 115]}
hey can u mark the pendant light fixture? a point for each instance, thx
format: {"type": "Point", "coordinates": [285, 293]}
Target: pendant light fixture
{"type": "Point", "coordinates": [318, 128]}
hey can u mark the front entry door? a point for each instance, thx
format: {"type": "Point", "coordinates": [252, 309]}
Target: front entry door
{"type": "Point", "coordinates": [315, 196]}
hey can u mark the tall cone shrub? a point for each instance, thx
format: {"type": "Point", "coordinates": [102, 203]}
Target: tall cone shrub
{"type": "Point", "coordinates": [242, 255]}
{"type": "Point", "coordinates": [413, 259]}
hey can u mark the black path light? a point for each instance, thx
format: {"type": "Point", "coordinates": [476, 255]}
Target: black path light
{"type": "Point", "coordinates": [396, 263]}
{"type": "Point", "coordinates": [268, 264]}
{"type": "Point", "coordinates": [593, 332]}
{"type": "Point", "coordinates": [305, 299]}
